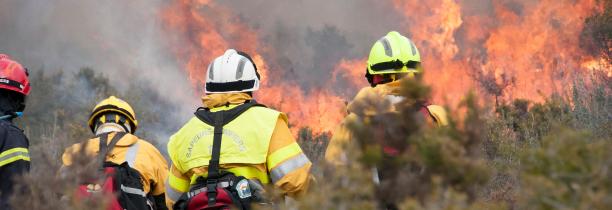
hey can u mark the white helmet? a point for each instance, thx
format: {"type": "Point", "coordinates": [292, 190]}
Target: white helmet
{"type": "Point", "coordinates": [233, 72]}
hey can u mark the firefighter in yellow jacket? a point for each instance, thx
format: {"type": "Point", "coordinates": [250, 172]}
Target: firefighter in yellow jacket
{"type": "Point", "coordinates": [392, 58]}
{"type": "Point", "coordinates": [255, 143]}
{"type": "Point", "coordinates": [113, 117]}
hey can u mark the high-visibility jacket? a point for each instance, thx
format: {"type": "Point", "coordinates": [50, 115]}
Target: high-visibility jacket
{"type": "Point", "coordinates": [140, 155]}
{"type": "Point", "coordinates": [389, 91]}
{"type": "Point", "coordinates": [257, 145]}
{"type": "Point", "coordinates": [14, 159]}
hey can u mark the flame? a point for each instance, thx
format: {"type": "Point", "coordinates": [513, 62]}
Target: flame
{"type": "Point", "coordinates": [600, 64]}
{"type": "Point", "coordinates": [527, 48]}
{"type": "Point", "coordinates": [210, 33]}
{"type": "Point", "coordinates": [352, 71]}
{"type": "Point", "coordinates": [511, 49]}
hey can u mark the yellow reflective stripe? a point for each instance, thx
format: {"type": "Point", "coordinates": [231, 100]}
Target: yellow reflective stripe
{"type": "Point", "coordinates": [13, 155]}
{"type": "Point", "coordinates": [172, 194]}
{"type": "Point", "coordinates": [16, 149]}
{"type": "Point", "coordinates": [177, 183]}
{"type": "Point", "coordinates": [282, 154]}
{"type": "Point", "coordinates": [288, 166]}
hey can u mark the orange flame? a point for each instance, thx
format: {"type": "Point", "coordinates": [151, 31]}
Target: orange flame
{"type": "Point", "coordinates": [210, 34]}
{"type": "Point", "coordinates": [513, 49]}
{"type": "Point", "coordinates": [600, 64]}
{"type": "Point", "coordinates": [531, 47]}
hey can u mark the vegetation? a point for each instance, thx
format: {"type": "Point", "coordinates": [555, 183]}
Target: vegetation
{"type": "Point", "coordinates": [514, 155]}
{"type": "Point", "coordinates": [56, 117]}
{"type": "Point", "coordinates": [521, 155]}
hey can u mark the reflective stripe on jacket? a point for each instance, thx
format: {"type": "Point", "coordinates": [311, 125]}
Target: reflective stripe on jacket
{"type": "Point", "coordinates": [14, 159]}
{"type": "Point", "coordinates": [140, 155]}
{"type": "Point", "coordinates": [257, 145]}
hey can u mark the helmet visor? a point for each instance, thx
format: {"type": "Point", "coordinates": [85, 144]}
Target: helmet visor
{"type": "Point", "coordinates": [397, 64]}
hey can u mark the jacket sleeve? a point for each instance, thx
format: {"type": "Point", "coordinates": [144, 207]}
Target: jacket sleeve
{"type": "Point", "coordinates": [158, 176]}
{"type": "Point", "coordinates": [14, 161]}
{"type": "Point", "coordinates": [161, 172]}
{"type": "Point", "coordinates": [288, 166]}
{"type": "Point", "coordinates": [334, 154]}
{"type": "Point", "coordinates": [159, 188]}
{"type": "Point", "coordinates": [176, 184]}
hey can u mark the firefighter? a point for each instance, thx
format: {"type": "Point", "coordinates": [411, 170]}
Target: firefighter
{"type": "Point", "coordinates": [392, 58]}
{"type": "Point", "coordinates": [231, 137]}
{"type": "Point", "coordinates": [114, 120]}
{"type": "Point", "coordinates": [14, 154]}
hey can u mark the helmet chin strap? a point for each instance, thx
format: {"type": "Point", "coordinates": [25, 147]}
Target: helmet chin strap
{"type": "Point", "coordinates": [11, 116]}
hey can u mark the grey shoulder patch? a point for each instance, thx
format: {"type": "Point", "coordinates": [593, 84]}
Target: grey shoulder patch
{"type": "Point", "coordinates": [240, 68]}
{"type": "Point", "coordinates": [211, 67]}
{"type": "Point", "coordinates": [412, 47]}
{"type": "Point", "coordinates": [388, 50]}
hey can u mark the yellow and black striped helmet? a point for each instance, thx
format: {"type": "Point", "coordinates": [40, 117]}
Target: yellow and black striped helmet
{"type": "Point", "coordinates": [393, 54]}
{"type": "Point", "coordinates": [115, 110]}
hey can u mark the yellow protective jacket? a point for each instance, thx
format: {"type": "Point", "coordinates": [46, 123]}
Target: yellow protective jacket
{"type": "Point", "coordinates": [390, 91]}
{"type": "Point", "coordinates": [140, 155]}
{"type": "Point", "coordinates": [257, 145]}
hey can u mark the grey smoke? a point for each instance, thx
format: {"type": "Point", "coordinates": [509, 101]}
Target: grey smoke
{"type": "Point", "coordinates": [310, 37]}
{"type": "Point", "coordinates": [303, 40]}
{"type": "Point", "coordinates": [121, 39]}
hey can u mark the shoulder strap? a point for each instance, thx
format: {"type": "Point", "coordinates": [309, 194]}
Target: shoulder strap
{"type": "Point", "coordinates": [213, 164]}
{"type": "Point", "coordinates": [104, 148]}
{"type": "Point", "coordinates": [206, 116]}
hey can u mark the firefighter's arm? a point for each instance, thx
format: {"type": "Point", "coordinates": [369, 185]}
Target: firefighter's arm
{"type": "Point", "coordinates": [176, 184]}
{"type": "Point", "coordinates": [160, 175]}
{"type": "Point", "coordinates": [334, 153]}
{"type": "Point", "coordinates": [288, 166]}
{"type": "Point", "coordinates": [14, 161]}
{"type": "Point", "coordinates": [8, 173]}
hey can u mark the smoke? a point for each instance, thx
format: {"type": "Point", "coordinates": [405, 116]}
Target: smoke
{"type": "Point", "coordinates": [527, 45]}
{"type": "Point", "coordinates": [309, 38]}
{"type": "Point", "coordinates": [460, 41]}
{"type": "Point", "coordinates": [123, 40]}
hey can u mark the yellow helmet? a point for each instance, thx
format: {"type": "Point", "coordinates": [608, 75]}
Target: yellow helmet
{"type": "Point", "coordinates": [394, 54]}
{"type": "Point", "coordinates": [113, 105]}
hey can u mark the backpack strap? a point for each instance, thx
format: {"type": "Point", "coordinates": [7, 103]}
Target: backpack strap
{"type": "Point", "coordinates": [213, 164]}
{"type": "Point", "coordinates": [104, 148]}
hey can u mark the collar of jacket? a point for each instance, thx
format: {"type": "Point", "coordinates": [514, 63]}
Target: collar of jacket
{"type": "Point", "coordinates": [126, 140]}
{"type": "Point", "coordinates": [391, 88]}
{"type": "Point", "coordinates": [110, 127]}
{"type": "Point", "coordinates": [222, 99]}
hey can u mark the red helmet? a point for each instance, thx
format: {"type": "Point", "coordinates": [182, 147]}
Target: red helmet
{"type": "Point", "coordinates": [13, 76]}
